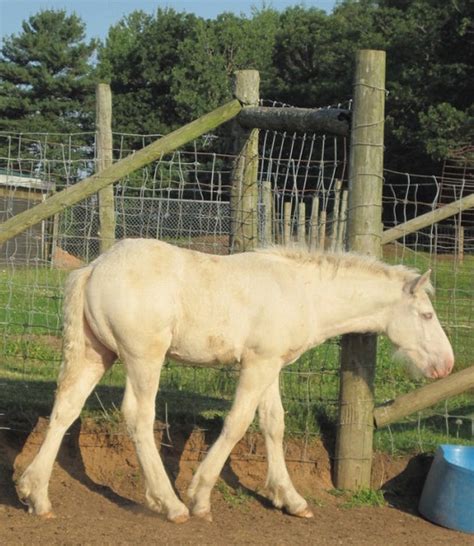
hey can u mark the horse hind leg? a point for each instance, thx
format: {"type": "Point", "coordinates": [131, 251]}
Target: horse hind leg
{"type": "Point", "coordinates": [80, 373]}
{"type": "Point", "coordinates": [143, 376]}
{"type": "Point", "coordinates": [255, 378]}
{"type": "Point", "coordinates": [279, 485]}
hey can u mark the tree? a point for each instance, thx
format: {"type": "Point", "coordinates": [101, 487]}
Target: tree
{"type": "Point", "coordinates": [430, 78]}
{"type": "Point", "coordinates": [137, 59]}
{"type": "Point", "coordinates": [430, 68]}
{"type": "Point", "coordinates": [217, 48]}
{"type": "Point", "coordinates": [314, 52]}
{"type": "Point", "coordinates": [46, 80]}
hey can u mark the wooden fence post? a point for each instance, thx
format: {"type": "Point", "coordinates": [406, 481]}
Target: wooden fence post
{"type": "Point", "coordinates": [313, 230]}
{"type": "Point", "coordinates": [301, 226]}
{"type": "Point", "coordinates": [244, 191]}
{"type": "Point", "coordinates": [269, 213]}
{"type": "Point", "coordinates": [104, 158]}
{"type": "Point", "coordinates": [353, 460]}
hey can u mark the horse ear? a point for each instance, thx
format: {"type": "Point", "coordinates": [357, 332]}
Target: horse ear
{"type": "Point", "coordinates": [419, 283]}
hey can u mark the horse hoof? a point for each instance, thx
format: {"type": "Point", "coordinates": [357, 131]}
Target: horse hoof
{"type": "Point", "coordinates": [206, 516]}
{"type": "Point", "coordinates": [307, 513]}
{"type": "Point", "coordinates": [183, 518]}
{"type": "Point", "coordinates": [47, 515]}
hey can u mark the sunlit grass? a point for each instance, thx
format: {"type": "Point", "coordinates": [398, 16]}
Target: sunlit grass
{"type": "Point", "coordinates": [30, 345]}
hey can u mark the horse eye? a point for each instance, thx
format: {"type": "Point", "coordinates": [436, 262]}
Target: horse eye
{"type": "Point", "coordinates": [427, 316]}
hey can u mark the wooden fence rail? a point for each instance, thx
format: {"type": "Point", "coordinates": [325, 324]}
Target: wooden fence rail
{"type": "Point", "coordinates": [334, 121]}
{"type": "Point", "coordinates": [424, 397]}
{"type": "Point", "coordinates": [73, 194]}
{"type": "Point", "coordinates": [427, 219]}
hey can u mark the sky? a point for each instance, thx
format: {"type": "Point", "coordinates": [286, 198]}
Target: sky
{"type": "Point", "coordinates": [99, 15]}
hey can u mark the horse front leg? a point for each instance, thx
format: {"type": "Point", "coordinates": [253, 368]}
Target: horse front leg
{"type": "Point", "coordinates": [254, 379]}
{"type": "Point", "coordinates": [279, 485]}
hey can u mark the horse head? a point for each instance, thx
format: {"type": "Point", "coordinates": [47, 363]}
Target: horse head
{"type": "Point", "coordinates": [415, 330]}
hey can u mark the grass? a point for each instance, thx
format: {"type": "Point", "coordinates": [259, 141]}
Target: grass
{"type": "Point", "coordinates": [30, 344]}
{"type": "Point", "coordinates": [237, 498]}
{"type": "Point", "coordinates": [363, 498]}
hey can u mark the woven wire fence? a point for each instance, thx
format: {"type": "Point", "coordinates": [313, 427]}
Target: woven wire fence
{"type": "Point", "coordinates": [447, 248]}
{"type": "Point", "coordinates": [184, 199]}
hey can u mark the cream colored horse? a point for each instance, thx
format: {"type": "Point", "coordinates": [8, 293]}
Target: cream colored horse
{"type": "Point", "coordinates": [145, 300]}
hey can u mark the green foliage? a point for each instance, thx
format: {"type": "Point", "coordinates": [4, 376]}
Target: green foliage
{"type": "Point", "coordinates": [138, 59]}
{"type": "Point", "coordinates": [314, 52]}
{"type": "Point", "coordinates": [441, 129]}
{"type": "Point", "coordinates": [217, 48]}
{"type": "Point", "coordinates": [237, 498]}
{"type": "Point", "coordinates": [430, 62]}
{"type": "Point", "coordinates": [365, 497]}
{"type": "Point", "coordinates": [360, 498]}
{"type": "Point", "coordinates": [46, 81]}
{"type": "Point", "coordinates": [169, 67]}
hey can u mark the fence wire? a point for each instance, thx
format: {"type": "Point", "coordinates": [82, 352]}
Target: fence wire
{"type": "Point", "coordinates": [184, 198]}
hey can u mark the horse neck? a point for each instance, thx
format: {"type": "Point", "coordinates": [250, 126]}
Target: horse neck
{"type": "Point", "coordinates": [353, 302]}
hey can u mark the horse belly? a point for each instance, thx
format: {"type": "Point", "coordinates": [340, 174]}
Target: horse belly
{"type": "Point", "coordinates": [205, 349]}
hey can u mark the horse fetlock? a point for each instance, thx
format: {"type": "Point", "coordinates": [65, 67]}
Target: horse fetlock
{"type": "Point", "coordinates": [201, 486]}
{"type": "Point", "coordinates": [276, 495]}
{"type": "Point", "coordinates": [201, 508]}
{"type": "Point", "coordinates": [34, 495]}
{"type": "Point", "coordinates": [175, 510]}
{"type": "Point", "coordinates": [288, 499]}
{"type": "Point", "coordinates": [199, 494]}
{"type": "Point", "coordinates": [153, 502]}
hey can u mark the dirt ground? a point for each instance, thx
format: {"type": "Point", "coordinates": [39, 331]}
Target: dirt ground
{"type": "Point", "coordinates": [97, 495]}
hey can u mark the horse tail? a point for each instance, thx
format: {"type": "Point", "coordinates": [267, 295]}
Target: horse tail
{"type": "Point", "coordinates": [73, 317]}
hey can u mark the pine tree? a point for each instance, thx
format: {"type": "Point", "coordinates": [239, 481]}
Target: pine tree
{"type": "Point", "coordinates": [46, 79]}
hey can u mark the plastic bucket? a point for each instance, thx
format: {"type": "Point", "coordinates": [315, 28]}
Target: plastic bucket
{"type": "Point", "coordinates": [448, 494]}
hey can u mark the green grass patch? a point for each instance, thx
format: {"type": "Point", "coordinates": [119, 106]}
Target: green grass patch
{"type": "Point", "coordinates": [237, 498]}
{"type": "Point", "coordinates": [30, 348]}
{"type": "Point", "coordinates": [364, 498]}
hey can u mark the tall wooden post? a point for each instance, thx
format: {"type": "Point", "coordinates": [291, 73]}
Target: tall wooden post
{"type": "Point", "coordinates": [244, 191]}
{"type": "Point", "coordinates": [104, 150]}
{"type": "Point", "coordinates": [364, 231]}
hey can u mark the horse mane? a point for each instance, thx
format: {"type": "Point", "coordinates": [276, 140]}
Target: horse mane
{"type": "Point", "coordinates": [340, 261]}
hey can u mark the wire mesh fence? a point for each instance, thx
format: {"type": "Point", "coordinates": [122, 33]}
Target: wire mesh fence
{"type": "Point", "coordinates": [184, 198]}
{"type": "Point", "coordinates": [446, 248]}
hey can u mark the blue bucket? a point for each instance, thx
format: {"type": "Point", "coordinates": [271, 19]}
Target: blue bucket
{"type": "Point", "coordinates": [448, 493]}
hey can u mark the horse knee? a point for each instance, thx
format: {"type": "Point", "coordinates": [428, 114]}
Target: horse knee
{"type": "Point", "coordinates": [233, 430]}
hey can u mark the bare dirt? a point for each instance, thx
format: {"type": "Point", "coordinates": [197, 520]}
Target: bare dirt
{"type": "Point", "coordinates": [97, 494]}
